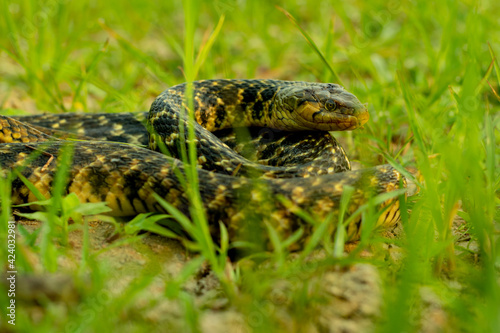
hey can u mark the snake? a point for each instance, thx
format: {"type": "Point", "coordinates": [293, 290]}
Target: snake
{"type": "Point", "coordinates": [265, 158]}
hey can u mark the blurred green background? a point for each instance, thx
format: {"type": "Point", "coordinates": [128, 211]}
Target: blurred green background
{"type": "Point", "coordinates": [427, 71]}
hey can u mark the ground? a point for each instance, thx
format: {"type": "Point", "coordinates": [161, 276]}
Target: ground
{"type": "Point", "coordinates": [352, 296]}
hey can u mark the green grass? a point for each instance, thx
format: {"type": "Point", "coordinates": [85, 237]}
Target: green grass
{"type": "Point", "coordinates": [428, 72]}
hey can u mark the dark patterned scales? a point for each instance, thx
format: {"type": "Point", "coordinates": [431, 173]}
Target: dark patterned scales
{"type": "Point", "coordinates": [312, 164]}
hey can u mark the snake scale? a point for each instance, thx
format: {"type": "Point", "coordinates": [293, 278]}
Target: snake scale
{"type": "Point", "coordinates": [291, 161]}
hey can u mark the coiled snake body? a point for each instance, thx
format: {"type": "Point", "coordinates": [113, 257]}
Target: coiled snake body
{"type": "Point", "coordinates": [295, 164]}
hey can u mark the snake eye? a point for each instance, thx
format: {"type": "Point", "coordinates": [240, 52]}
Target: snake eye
{"type": "Point", "coordinates": [330, 105]}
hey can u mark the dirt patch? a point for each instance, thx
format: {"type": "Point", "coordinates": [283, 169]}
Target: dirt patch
{"type": "Point", "coordinates": [351, 298]}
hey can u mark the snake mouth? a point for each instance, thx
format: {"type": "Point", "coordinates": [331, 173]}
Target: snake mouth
{"type": "Point", "coordinates": [342, 119]}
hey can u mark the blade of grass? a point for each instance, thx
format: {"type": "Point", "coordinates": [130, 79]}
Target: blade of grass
{"type": "Point", "coordinates": [205, 48]}
{"type": "Point", "coordinates": [311, 43]}
{"type": "Point", "coordinates": [340, 234]}
{"type": "Point", "coordinates": [152, 64]}
{"type": "Point", "coordinates": [87, 72]}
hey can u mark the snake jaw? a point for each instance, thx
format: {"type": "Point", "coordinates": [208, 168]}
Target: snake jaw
{"type": "Point", "coordinates": [363, 116]}
{"type": "Point", "coordinates": [312, 116]}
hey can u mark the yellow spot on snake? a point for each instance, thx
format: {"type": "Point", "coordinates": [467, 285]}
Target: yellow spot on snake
{"type": "Point", "coordinates": [298, 195]}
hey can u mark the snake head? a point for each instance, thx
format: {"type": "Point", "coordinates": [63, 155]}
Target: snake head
{"type": "Point", "coordinates": [322, 106]}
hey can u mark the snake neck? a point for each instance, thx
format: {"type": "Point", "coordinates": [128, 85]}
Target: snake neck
{"type": "Point", "coordinates": [221, 104]}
